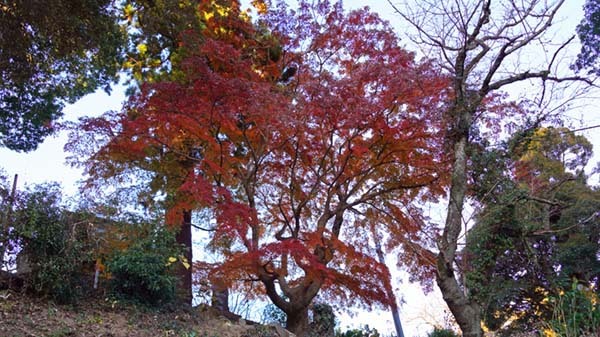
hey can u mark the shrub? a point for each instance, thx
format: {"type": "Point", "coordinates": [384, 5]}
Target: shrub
{"type": "Point", "coordinates": [437, 332]}
{"type": "Point", "coordinates": [323, 320]}
{"type": "Point", "coordinates": [59, 277]}
{"type": "Point", "coordinates": [141, 272]}
{"type": "Point", "coordinates": [273, 315]}
{"type": "Point", "coordinates": [51, 251]}
{"type": "Point", "coordinates": [364, 332]}
{"type": "Point", "coordinates": [58, 247]}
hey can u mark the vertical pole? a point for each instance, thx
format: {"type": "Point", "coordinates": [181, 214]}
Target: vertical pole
{"type": "Point", "coordinates": [11, 201]}
{"type": "Point", "coordinates": [394, 305]}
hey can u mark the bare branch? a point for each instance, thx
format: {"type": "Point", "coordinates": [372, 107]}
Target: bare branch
{"type": "Point", "coordinates": [549, 231]}
{"type": "Point", "coordinates": [544, 201]}
{"type": "Point", "coordinates": [542, 75]}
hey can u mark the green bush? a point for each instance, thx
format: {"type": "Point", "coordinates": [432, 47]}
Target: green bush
{"type": "Point", "coordinates": [142, 272]}
{"type": "Point", "coordinates": [364, 332]}
{"type": "Point", "coordinates": [57, 251]}
{"type": "Point", "coordinates": [273, 315]}
{"type": "Point", "coordinates": [60, 278]}
{"type": "Point", "coordinates": [437, 332]}
{"type": "Point", "coordinates": [323, 321]}
{"type": "Point", "coordinates": [52, 254]}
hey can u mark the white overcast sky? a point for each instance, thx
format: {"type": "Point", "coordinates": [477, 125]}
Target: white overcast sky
{"type": "Point", "coordinates": [47, 164]}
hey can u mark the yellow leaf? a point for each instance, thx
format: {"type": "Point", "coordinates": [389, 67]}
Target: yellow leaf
{"type": "Point", "coordinates": [142, 48]}
{"type": "Point", "coordinates": [185, 264]}
{"type": "Point", "coordinates": [260, 6]}
{"type": "Point", "coordinates": [222, 10]}
{"type": "Point", "coordinates": [155, 62]}
{"type": "Point", "coordinates": [245, 16]}
{"type": "Point", "coordinates": [184, 261]}
{"type": "Point", "coordinates": [208, 15]}
{"type": "Point", "coordinates": [170, 261]}
{"type": "Point", "coordinates": [128, 12]}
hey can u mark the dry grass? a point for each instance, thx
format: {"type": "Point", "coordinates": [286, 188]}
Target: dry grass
{"type": "Point", "coordinates": [24, 316]}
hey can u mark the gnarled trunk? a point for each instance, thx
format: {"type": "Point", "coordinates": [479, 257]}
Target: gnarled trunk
{"type": "Point", "coordinates": [297, 303]}
{"type": "Point", "coordinates": [297, 322]}
{"type": "Point", "coordinates": [466, 312]}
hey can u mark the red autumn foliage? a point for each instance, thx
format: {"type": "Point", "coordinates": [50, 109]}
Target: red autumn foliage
{"type": "Point", "coordinates": [298, 174]}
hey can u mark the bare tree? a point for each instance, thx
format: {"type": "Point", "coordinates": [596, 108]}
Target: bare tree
{"type": "Point", "coordinates": [484, 45]}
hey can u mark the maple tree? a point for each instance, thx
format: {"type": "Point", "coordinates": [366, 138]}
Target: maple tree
{"type": "Point", "coordinates": [479, 44]}
{"type": "Point", "coordinates": [300, 153]}
{"type": "Point", "coordinates": [162, 34]}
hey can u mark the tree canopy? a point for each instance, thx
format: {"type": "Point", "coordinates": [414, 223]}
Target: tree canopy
{"type": "Point", "coordinates": [52, 53]}
{"type": "Point", "coordinates": [537, 231]}
{"type": "Point", "coordinates": [303, 140]}
{"type": "Point", "coordinates": [589, 35]}
{"type": "Point", "coordinates": [298, 168]}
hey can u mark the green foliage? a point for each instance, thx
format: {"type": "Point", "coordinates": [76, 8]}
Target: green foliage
{"type": "Point", "coordinates": [437, 332]}
{"type": "Point", "coordinates": [141, 272]}
{"type": "Point", "coordinates": [323, 320]}
{"type": "Point", "coordinates": [272, 314]}
{"type": "Point", "coordinates": [67, 50]}
{"type": "Point", "coordinates": [589, 35]}
{"type": "Point", "coordinates": [5, 234]}
{"type": "Point", "coordinates": [156, 36]}
{"type": "Point", "coordinates": [58, 248]}
{"type": "Point", "coordinates": [536, 230]}
{"type": "Point", "coordinates": [576, 312]}
{"type": "Point", "coordinates": [52, 247]}
{"type": "Point", "coordinates": [365, 331]}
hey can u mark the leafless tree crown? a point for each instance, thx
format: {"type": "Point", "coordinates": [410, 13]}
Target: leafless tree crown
{"type": "Point", "coordinates": [488, 44]}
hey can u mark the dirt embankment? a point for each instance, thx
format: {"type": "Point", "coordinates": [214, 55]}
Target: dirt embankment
{"type": "Point", "coordinates": [24, 316]}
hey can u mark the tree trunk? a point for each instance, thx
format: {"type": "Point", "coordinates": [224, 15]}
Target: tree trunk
{"type": "Point", "coordinates": [220, 297]}
{"type": "Point", "coordinates": [184, 237]}
{"type": "Point", "coordinates": [466, 311]}
{"type": "Point", "coordinates": [297, 322]}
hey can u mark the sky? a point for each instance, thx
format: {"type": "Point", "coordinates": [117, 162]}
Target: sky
{"type": "Point", "coordinates": [418, 311]}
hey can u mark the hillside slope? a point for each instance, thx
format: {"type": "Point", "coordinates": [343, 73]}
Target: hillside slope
{"type": "Point", "coordinates": [24, 316]}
